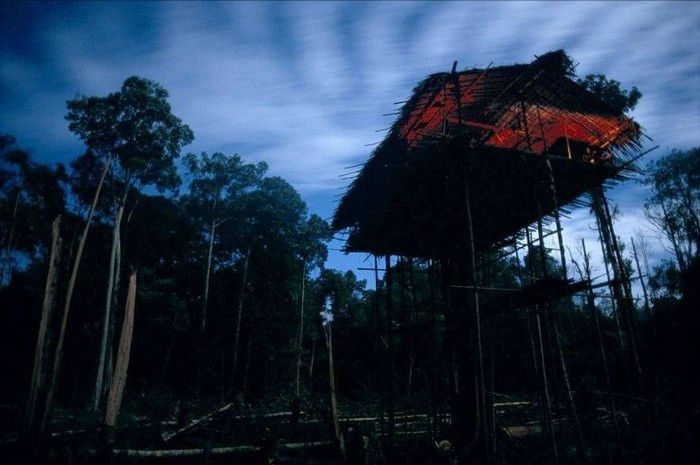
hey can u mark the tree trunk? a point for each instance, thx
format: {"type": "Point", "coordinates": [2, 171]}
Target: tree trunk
{"type": "Point", "coordinates": [105, 340]}
{"type": "Point", "coordinates": [205, 304]}
{"type": "Point", "coordinates": [41, 353]}
{"type": "Point", "coordinates": [331, 377]}
{"type": "Point", "coordinates": [313, 357]}
{"type": "Point", "coordinates": [301, 330]}
{"type": "Point", "coordinates": [239, 316]}
{"type": "Point", "coordinates": [117, 388]}
{"type": "Point", "coordinates": [207, 279]}
{"type": "Point", "coordinates": [109, 365]}
{"type": "Point", "coordinates": [69, 297]}
{"type": "Point", "coordinates": [647, 309]}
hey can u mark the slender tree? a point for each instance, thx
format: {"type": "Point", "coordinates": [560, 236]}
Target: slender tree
{"type": "Point", "coordinates": [218, 182]}
{"type": "Point", "coordinates": [674, 206]}
{"type": "Point", "coordinates": [136, 129]}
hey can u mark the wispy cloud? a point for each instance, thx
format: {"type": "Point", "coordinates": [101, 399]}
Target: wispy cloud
{"type": "Point", "coordinates": [304, 85]}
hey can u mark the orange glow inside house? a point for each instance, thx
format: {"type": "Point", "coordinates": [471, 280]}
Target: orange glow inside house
{"type": "Point", "coordinates": [488, 128]}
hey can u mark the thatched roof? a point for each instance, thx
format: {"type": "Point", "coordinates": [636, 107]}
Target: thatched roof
{"type": "Point", "coordinates": [492, 129]}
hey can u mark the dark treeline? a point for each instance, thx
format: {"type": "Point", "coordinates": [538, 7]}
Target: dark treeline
{"type": "Point", "coordinates": [232, 286]}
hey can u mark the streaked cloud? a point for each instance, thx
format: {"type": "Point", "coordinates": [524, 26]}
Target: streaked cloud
{"type": "Point", "coordinates": [304, 85]}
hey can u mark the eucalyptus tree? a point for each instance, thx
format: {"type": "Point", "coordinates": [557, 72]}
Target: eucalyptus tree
{"type": "Point", "coordinates": [138, 138]}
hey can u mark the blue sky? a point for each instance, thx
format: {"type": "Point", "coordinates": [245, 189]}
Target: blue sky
{"type": "Point", "coordinates": [304, 85]}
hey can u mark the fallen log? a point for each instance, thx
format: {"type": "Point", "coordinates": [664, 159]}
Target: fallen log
{"type": "Point", "coordinates": [199, 421]}
{"type": "Point", "coordinates": [185, 452]}
{"type": "Point", "coordinates": [196, 452]}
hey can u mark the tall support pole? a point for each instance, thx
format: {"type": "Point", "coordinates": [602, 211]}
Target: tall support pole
{"type": "Point", "coordinates": [621, 282]}
{"type": "Point", "coordinates": [482, 427]}
{"type": "Point", "coordinates": [555, 323]}
{"type": "Point", "coordinates": [527, 317]}
{"type": "Point", "coordinates": [434, 367]}
{"type": "Point", "coordinates": [380, 349]}
{"type": "Point", "coordinates": [549, 427]}
{"type": "Point", "coordinates": [614, 300]}
{"type": "Point", "coordinates": [601, 345]}
{"type": "Point", "coordinates": [389, 373]}
{"type": "Point", "coordinates": [545, 311]}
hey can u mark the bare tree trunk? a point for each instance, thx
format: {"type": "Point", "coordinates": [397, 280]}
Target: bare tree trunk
{"type": "Point", "coordinates": [69, 297]}
{"type": "Point", "coordinates": [301, 329]}
{"type": "Point", "coordinates": [171, 345]}
{"type": "Point", "coordinates": [249, 349]}
{"type": "Point", "coordinates": [205, 304]}
{"type": "Point", "coordinates": [313, 357]}
{"type": "Point", "coordinates": [117, 389]}
{"type": "Point", "coordinates": [207, 279]}
{"type": "Point", "coordinates": [41, 353]}
{"type": "Point", "coordinates": [331, 377]}
{"type": "Point", "coordinates": [239, 316]}
{"type": "Point", "coordinates": [109, 298]}
{"type": "Point", "coordinates": [109, 366]}
{"type": "Point", "coordinates": [647, 309]}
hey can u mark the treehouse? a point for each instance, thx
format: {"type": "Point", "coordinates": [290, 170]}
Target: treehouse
{"type": "Point", "coordinates": [484, 152]}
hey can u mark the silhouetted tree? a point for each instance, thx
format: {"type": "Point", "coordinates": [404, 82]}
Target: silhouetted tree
{"type": "Point", "coordinates": [134, 130]}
